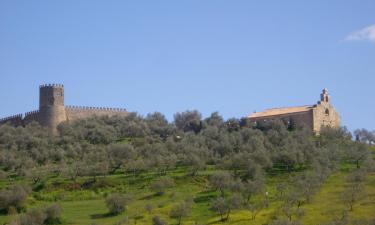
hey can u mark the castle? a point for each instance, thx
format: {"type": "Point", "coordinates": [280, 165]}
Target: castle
{"type": "Point", "coordinates": [312, 116]}
{"type": "Point", "coordinates": [52, 110]}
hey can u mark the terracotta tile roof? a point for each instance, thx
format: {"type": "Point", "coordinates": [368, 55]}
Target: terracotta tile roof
{"type": "Point", "coordinates": [280, 111]}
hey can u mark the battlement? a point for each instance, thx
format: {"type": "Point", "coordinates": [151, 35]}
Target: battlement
{"type": "Point", "coordinates": [11, 117]}
{"type": "Point", "coordinates": [82, 112]}
{"type": "Point", "coordinates": [31, 113]}
{"type": "Point", "coordinates": [51, 85]}
{"type": "Point", "coordinates": [15, 120]}
{"type": "Point", "coordinates": [95, 108]}
{"type": "Point", "coordinates": [31, 116]}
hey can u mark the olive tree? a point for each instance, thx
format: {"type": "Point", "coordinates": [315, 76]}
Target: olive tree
{"type": "Point", "coordinates": [160, 185]}
{"type": "Point", "coordinates": [224, 206]}
{"type": "Point", "coordinates": [221, 180]}
{"type": "Point", "coordinates": [14, 197]}
{"type": "Point", "coordinates": [180, 210]}
{"type": "Point", "coordinates": [188, 121]}
{"type": "Point", "coordinates": [116, 203]}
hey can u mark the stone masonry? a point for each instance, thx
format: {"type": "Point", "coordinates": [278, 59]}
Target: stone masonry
{"type": "Point", "coordinates": [312, 116]}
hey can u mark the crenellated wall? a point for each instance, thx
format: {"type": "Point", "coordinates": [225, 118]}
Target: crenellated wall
{"type": "Point", "coordinates": [82, 112]}
{"type": "Point", "coordinates": [32, 116]}
{"type": "Point", "coordinates": [71, 113]}
{"type": "Point", "coordinates": [15, 120]}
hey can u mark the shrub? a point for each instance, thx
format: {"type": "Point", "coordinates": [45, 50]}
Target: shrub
{"type": "Point", "coordinates": [116, 203]}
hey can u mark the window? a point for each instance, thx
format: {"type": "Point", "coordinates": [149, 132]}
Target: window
{"type": "Point", "coordinates": [327, 112]}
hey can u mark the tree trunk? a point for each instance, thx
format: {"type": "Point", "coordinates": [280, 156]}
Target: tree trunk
{"type": "Point", "coordinates": [222, 192]}
{"type": "Point", "coordinates": [114, 169]}
{"type": "Point", "coordinates": [228, 212]}
{"type": "Point", "coordinates": [248, 199]}
{"type": "Point", "coordinates": [221, 216]}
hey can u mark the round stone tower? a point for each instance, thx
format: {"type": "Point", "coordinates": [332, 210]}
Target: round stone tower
{"type": "Point", "coordinates": [51, 106]}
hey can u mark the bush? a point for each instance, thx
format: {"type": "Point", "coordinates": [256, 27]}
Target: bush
{"type": "Point", "coordinates": [116, 203]}
{"type": "Point", "coordinates": [13, 197]}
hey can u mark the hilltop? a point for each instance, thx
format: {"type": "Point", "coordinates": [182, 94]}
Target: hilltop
{"type": "Point", "coordinates": [145, 170]}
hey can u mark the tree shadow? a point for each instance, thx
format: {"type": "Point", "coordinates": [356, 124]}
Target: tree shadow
{"type": "Point", "coordinates": [227, 220]}
{"type": "Point", "coordinates": [209, 191]}
{"type": "Point", "coordinates": [241, 220]}
{"type": "Point", "coordinates": [101, 215]}
{"type": "Point", "coordinates": [204, 198]}
{"type": "Point", "coordinates": [217, 221]}
{"type": "Point", "coordinates": [148, 197]}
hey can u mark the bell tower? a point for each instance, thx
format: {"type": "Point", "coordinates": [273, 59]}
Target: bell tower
{"type": "Point", "coordinates": [324, 96]}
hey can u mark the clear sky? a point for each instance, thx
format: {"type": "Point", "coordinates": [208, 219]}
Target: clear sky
{"type": "Point", "coordinates": [228, 56]}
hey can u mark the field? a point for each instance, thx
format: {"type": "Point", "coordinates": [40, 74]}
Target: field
{"type": "Point", "coordinates": [87, 205]}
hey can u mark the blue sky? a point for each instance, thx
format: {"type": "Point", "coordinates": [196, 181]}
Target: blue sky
{"type": "Point", "coordinates": [228, 56]}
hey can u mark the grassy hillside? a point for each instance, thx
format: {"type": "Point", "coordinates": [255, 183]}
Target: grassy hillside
{"type": "Point", "coordinates": [135, 170]}
{"type": "Point", "coordinates": [87, 206]}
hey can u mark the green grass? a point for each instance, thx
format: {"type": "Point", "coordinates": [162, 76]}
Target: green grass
{"type": "Point", "coordinates": [82, 207]}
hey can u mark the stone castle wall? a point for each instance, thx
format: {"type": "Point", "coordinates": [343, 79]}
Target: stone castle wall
{"type": "Point", "coordinates": [72, 113]}
{"type": "Point", "coordinates": [82, 112]}
{"type": "Point", "coordinates": [15, 120]}
{"type": "Point", "coordinates": [32, 116]}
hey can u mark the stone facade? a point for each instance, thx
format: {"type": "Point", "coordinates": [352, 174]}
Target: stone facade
{"type": "Point", "coordinates": [312, 116]}
{"type": "Point", "coordinates": [52, 110]}
{"type": "Point", "coordinates": [51, 106]}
